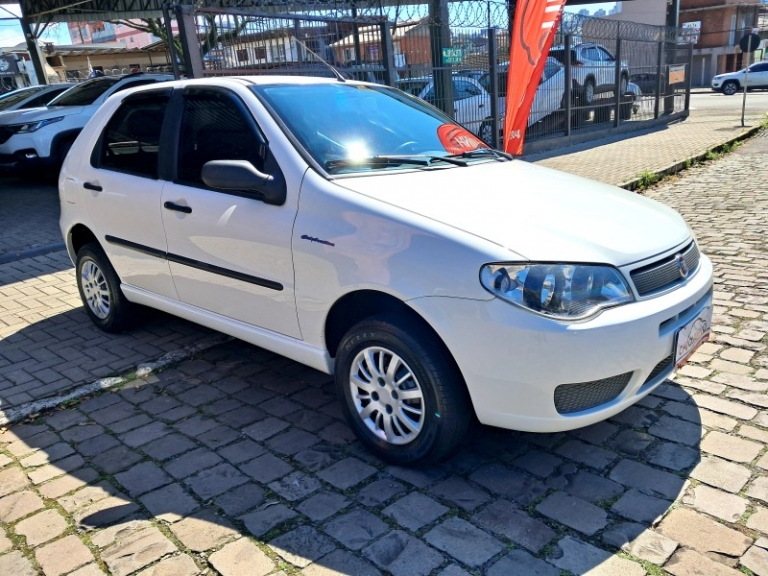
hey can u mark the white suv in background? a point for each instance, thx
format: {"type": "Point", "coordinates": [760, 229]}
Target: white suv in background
{"type": "Point", "coordinates": [36, 140]}
{"type": "Point", "coordinates": [593, 69]}
{"type": "Point", "coordinates": [732, 82]}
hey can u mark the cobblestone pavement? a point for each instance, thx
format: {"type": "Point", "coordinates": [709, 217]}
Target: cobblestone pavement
{"type": "Point", "coordinates": [29, 216]}
{"type": "Point", "coordinates": [48, 345]}
{"type": "Point", "coordinates": [236, 462]}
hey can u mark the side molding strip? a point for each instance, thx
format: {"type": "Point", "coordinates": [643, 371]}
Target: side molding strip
{"type": "Point", "coordinates": [271, 284]}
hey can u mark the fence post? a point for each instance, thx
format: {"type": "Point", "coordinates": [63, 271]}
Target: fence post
{"type": "Point", "coordinates": [440, 37]}
{"type": "Point", "coordinates": [568, 83]}
{"type": "Point", "coordinates": [356, 37]}
{"type": "Point", "coordinates": [388, 53]}
{"type": "Point", "coordinates": [493, 75]}
{"type": "Point", "coordinates": [171, 44]}
{"type": "Point", "coordinates": [617, 85]}
{"type": "Point", "coordinates": [190, 42]}
{"type": "Point", "coordinates": [689, 78]}
{"type": "Point", "coordinates": [659, 64]}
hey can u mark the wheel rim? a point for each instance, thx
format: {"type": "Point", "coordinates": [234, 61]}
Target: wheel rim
{"type": "Point", "coordinates": [95, 289]}
{"type": "Point", "coordinates": [486, 133]}
{"type": "Point", "coordinates": [387, 395]}
{"type": "Point", "coordinates": [730, 88]}
{"type": "Point", "coordinates": [589, 92]}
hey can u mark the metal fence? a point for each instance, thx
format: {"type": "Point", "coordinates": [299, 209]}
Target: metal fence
{"type": "Point", "coordinates": [600, 74]}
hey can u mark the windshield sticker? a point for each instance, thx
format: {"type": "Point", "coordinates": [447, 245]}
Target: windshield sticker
{"type": "Point", "coordinates": [456, 139]}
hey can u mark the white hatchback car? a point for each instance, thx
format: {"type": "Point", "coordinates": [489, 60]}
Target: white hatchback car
{"type": "Point", "coordinates": [369, 236]}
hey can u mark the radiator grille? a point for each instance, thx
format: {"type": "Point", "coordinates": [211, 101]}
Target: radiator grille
{"type": "Point", "coordinates": [577, 397]}
{"type": "Point", "coordinates": [664, 273]}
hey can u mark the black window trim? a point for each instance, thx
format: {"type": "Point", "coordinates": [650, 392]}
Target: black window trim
{"type": "Point", "coordinates": [178, 111]}
{"type": "Point", "coordinates": [95, 159]}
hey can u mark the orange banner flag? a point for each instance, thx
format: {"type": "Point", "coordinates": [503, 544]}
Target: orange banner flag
{"type": "Point", "coordinates": [536, 22]}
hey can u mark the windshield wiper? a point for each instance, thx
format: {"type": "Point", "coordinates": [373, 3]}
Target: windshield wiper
{"type": "Point", "coordinates": [393, 160]}
{"type": "Point", "coordinates": [480, 152]}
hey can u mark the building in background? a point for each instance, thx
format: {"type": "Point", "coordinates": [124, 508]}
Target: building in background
{"type": "Point", "coordinates": [101, 32]}
{"type": "Point", "coordinates": [652, 12]}
{"type": "Point", "coordinates": [720, 25]}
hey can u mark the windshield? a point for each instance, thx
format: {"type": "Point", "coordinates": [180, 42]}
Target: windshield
{"type": "Point", "coordinates": [84, 94]}
{"type": "Point", "coordinates": [13, 98]}
{"type": "Point", "coordinates": [349, 127]}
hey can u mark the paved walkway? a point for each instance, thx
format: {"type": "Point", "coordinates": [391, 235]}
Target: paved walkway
{"type": "Point", "coordinates": [621, 162]}
{"type": "Point", "coordinates": [237, 462]}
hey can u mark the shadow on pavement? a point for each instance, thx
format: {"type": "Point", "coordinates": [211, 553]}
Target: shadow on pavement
{"type": "Point", "coordinates": [56, 347]}
{"type": "Point", "coordinates": [241, 442]}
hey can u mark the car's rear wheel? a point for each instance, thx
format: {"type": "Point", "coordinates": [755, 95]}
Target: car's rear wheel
{"type": "Point", "coordinates": [730, 88]}
{"type": "Point", "coordinates": [401, 391]}
{"type": "Point", "coordinates": [99, 288]}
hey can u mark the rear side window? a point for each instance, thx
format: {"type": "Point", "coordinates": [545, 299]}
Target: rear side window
{"type": "Point", "coordinates": [131, 140]}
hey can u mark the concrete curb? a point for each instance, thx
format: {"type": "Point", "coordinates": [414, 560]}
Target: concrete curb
{"type": "Point", "coordinates": [31, 252]}
{"type": "Point", "coordinates": [678, 167]}
{"type": "Point", "coordinates": [143, 370]}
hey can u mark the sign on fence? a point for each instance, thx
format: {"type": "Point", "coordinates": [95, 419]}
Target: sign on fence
{"type": "Point", "coordinates": [677, 74]}
{"type": "Point", "coordinates": [453, 56]}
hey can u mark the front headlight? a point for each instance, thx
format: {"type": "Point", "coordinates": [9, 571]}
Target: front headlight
{"type": "Point", "coordinates": [33, 126]}
{"type": "Point", "coordinates": [562, 291]}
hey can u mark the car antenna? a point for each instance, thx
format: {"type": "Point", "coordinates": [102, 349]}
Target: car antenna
{"type": "Point", "coordinates": [336, 73]}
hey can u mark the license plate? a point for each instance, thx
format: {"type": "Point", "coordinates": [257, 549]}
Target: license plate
{"type": "Point", "coordinates": [692, 335]}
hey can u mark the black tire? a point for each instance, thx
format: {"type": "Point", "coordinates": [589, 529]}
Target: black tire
{"type": "Point", "coordinates": [99, 288]}
{"type": "Point", "coordinates": [440, 394]}
{"type": "Point", "coordinates": [730, 88]}
{"type": "Point", "coordinates": [623, 84]}
{"type": "Point", "coordinates": [588, 92]}
{"type": "Point", "coordinates": [63, 151]}
{"type": "Point", "coordinates": [486, 132]}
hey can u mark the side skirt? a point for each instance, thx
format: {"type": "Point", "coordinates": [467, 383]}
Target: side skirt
{"type": "Point", "coordinates": [272, 341]}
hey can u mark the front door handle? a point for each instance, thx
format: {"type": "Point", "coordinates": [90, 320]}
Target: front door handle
{"type": "Point", "coordinates": [177, 207]}
{"type": "Point", "coordinates": [94, 187]}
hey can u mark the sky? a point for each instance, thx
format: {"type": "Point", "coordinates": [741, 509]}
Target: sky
{"type": "Point", "coordinates": [10, 31]}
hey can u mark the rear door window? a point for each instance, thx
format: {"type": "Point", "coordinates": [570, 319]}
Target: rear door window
{"type": "Point", "coordinates": [130, 142]}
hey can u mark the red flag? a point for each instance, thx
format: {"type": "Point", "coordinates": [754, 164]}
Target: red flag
{"type": "Point", "coordinates": [535, 24]}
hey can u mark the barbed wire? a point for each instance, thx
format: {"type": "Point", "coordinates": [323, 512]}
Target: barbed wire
{"type": "Point", "coordinates": [465, 14]}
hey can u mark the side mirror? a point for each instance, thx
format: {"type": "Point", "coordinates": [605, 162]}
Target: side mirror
{"type": "Point", "coordinates": [243, 176]}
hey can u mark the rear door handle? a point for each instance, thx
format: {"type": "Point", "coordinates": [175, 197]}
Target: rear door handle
{"type": "Point", "coordinates": [177, 207]}
{"type": "Point", "coordinates": [94, 187]}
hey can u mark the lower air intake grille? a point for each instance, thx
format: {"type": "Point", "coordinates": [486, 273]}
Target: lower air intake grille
{"type": "Point", "coordinates": [659, 368]}
{"type": "Point", "coordinates": [577, 397]}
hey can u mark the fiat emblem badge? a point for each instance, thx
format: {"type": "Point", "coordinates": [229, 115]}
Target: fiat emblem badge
{"type": "Point", "coordinates": [682, 267]}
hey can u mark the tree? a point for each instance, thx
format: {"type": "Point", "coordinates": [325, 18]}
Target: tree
{"type": "Point", "coordinates": [214, 34]}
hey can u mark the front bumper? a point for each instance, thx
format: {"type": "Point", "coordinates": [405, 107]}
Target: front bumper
{"type": "Point", "coordinates": [513, 360]}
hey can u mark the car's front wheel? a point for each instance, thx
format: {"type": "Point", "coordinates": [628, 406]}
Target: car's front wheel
{"type": "Point", "coordinates": [401, 391]}
{"type": "Point", "coordinates": [730, 88]}
{"type": "Point", "coordinates": [99, 288]}
{"type": "Point", "coordinates": [589, 92]}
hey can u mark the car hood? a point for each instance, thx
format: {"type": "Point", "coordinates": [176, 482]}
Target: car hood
{"type": "Point", "coordinates": [35, 114]}
{"type": "Point", "coordinates": [536, 212]}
